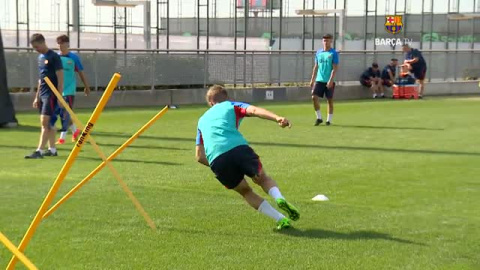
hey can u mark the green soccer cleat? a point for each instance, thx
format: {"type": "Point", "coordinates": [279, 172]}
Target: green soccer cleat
{"type": "Point", "coordinates": [283, 223]}
{"type": "Point", "coordinates": [291, 210]}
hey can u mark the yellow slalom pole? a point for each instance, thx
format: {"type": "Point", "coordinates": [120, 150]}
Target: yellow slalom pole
{"type": "Point", "coordinates": [110, 158]}
{"type": "Point", "coordinates": [102, 156]}
{"type": "Point", "coordinates": [17, 252]}
{"type": "Point", "coordinates": [66, 167]}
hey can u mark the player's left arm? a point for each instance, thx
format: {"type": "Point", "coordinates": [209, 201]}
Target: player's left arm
{"type": "Point", "coordinates": [335, 62]}
{"type": "Point", "coordinates": [81, 74]}
{"type": "Point", "coordinates": [266, 114]}
{"type": "Point", "coordinates": [59, 74]}
{"type": "Point", "coordinates": [57, 65]}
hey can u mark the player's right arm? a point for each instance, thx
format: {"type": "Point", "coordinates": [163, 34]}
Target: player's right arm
{"type": "Point", "coordinates": [314, 73]}
{"type": "Point", "coordinates": [266, 114]}
{"type": "Point", "coordinates": [391, 75]}
{"type": "Point", "coordinates": [200, 155]}
{"type": "Point", "coordinates": [200, 150]}
{"type": "Point", "coordinates": [35, 101]}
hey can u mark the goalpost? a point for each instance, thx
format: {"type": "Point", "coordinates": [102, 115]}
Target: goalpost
{"type": "Point", "coordinates": [131, 4]}
{"type": "Point", "coordinates": [325, 12]}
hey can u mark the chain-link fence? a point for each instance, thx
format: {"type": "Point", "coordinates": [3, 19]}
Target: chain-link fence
{"type": "Point", "coordinates": [143, 69]}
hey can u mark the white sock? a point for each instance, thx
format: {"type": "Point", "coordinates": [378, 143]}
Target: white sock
{"type": "Point", "coordinates": [275, 193]}
{"type": "Point", "coordinates": [266, 209]}
{"type": "Point", "coordinates": [40, 150]}
{"type": "Point", "coordinates": [329, 117]}
{"type": "Point", "coordinates": [319, 114]}
{"type": "Point", "coordinates": [73, 128]}
{"type": "Point", "coordinates": [383, 94]}
{"type": "Point", "coordinates": [53, 150]}
{"type": "Point", "coordinates": [63, 134]}
{"type": "Point", "coordinates": [374, 95]}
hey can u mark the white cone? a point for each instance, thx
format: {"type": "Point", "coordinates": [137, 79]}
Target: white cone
{"type": "Point", "coordinates": [320, 198]}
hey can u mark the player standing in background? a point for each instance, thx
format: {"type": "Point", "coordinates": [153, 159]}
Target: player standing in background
{"type": "Point", "coordinates": [222, 147]}
{"type": "Point", "coordinates": [49, 65]}
{"type": "Point", "coordinates": [71, 64]}
{"type": "Point", "coordinates": [414, 58]}
{"type": "Point", "coordinates": [388, 73]}
{"type": "Point", "coordinates": [323, 76]}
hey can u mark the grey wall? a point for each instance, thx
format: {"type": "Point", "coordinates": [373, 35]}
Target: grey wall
{"type": "Point", "coordinates": [160, 98]}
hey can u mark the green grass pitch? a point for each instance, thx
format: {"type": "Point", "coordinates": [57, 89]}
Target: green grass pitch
{"type": "Point", "coordinates": [403, 178]}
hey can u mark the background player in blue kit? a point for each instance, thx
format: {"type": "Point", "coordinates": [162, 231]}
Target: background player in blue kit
{"type": "Point", "coordinates": [49, 65]}
{"type": "Point", "coordinates": [71, 65]}
{"type": "Point", "coordinates": [323, 78]}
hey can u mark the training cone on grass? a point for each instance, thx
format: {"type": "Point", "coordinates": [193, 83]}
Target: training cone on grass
{"type": "Point", "coordinates": [320, 198]}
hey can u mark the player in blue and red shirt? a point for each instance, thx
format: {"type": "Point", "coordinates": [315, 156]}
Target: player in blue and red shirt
{"type": "Point", "coordinates": [414, 58]}
{"type": "Point", "coordinates": [49, 65]}
{"type": "Point", "coordinates": [223, 148]}
{"type": "Point", "coordinates": [71, 65]}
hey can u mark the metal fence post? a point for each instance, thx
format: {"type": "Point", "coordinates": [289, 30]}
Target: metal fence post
{"type": "Point", "coordinates": [205, 68]}
{"type": "Point", "coordinates": [235, 68]}
{"type": "Point", "coordinates": [253, 70]}
{"type": "Point", "coordinates": [279, 68]}
{"type": "Point", "coordinates": [153, 58]}
{"type": "Point", "coordinates": [95, 68]}
{"type": "Point", "coordinates": [296, 68]}
{"type": "Point", "coordinates": [245, 69]}
{"type": "Point", "coordinates": [30, 73]}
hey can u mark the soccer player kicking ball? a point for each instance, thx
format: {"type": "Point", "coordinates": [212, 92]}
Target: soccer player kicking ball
{"type": "Point", "coordinates": [222, 147]}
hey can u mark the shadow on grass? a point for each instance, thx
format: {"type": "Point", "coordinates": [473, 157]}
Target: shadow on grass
{"type": "Point", "coordinates": [383, 127]}
{"type": "Point", "coordinates": [358, 235]}
{"type": "Point", "coordinates": [63, 154]}
{"type": "Point", "coordinates": [146, 147]}
{"type": "Point", "coordinates": [133, 161]}
{"type": "Point", "coordinates": [313, 146]}
{"type": "Point", "coordinates": [26, 128]}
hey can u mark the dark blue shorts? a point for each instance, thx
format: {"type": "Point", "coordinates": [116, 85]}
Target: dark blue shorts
{"type": "Point", "coordinates": [63, 113]}
{"type": "Point", "coordinates": [419, 72]}
{"type": "Point", "coordinates": [47, 105]}
{"type": "Point", "coordinates": [320, 90]}
{"type": "Point", "coordinates": [231, 167]}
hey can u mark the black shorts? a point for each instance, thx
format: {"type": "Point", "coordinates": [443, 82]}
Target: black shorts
{"type": "Point", "coordinates": [366, 83]}
{"type": "Point", "coordinates": [231, 167]}
{"type": "Point", "coordinates": [47, 105]}
{"type": "Point", "coordinates": [320, 89]}
{"type": "Point", "coordinates": [419, 72]}
{"type": "Point", "coordinates": [387, 82]}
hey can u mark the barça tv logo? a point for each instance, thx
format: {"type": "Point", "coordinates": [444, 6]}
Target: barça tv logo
{"type": "Point", "coordinates": [393, 24]}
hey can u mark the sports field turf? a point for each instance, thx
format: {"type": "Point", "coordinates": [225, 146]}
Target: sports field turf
{"type": "Point", "coordinates": [403, 178]}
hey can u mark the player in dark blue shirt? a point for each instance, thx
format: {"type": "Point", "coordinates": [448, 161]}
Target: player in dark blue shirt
{"type": "Point", "coordinates": [388, 73]}
{"type": "Point", "coordinates": [371, 78]}
{"type": "Point", "coordinates": [49, 65]}
{"type": "Point", "coordinates": [414, 58]}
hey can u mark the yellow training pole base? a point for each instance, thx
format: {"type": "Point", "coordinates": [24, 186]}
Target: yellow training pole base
{"type": "Point", "coordinates": [17, 252]}
{"type": "Point", "coordinates": [103, 164]}
{"type": "Point", "coordinates": [115, 173]}
{"type": "Point", "coordinates": [66, 167]}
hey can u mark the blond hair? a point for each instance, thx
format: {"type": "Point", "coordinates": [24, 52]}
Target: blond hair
{"type": "Point", "coordinates": [216, 94]}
